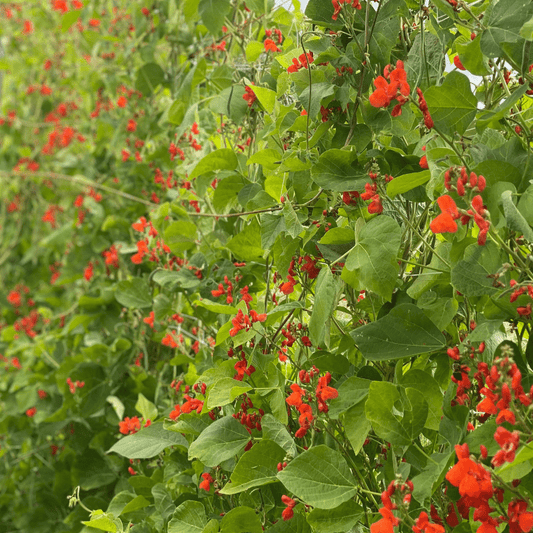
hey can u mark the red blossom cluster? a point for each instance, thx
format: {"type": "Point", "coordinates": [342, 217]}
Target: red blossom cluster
{"type": "Point", "coordinates": [522, 310]}
{"type": "Point", "coordinates": [73, 385]}
{"type": "Point", "coordinates": [397, 89]}
{"type": "Point", "coordinates": [249, 420]}
{"type": "Point", "coordinates": [242, 321]}
{"type": "Point", "coordinates": [337, 6]}
{"type": "Point", "coordinates": [288, 512]}
{"type": "Point", "coordinates": [249, 96]}
{"type": "Point", "coordinates": [241, 367]}
{"type": "Point", "coordinates": [445, 222]}
{"type": "Point", "coordinates": [129, 426]}
{"type": "Point", "coordinates": [221, 291]}
{"type": "Point", "coordinates": [428, 121]}
{"type": "Point", "coordinates": [206, 483]}
{"type": "Point", "coordinates": [323, 392]}
{"type": "Point", "coordinates": [401, 492]}
{"type": "Point", "coordinates": [303, 61]}
{"type": "Point", "coordinates": [190, 405]}
{"type": "Point", "coordinates": [111, 258]}
{"type": "Point", "coordinates": [375, 206]}
{"type": "Point", "coordinates": [502, 382]}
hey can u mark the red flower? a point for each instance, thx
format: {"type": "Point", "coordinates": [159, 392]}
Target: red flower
{"type": "Point", "coordinates": [445, 222]}
{"type": "Point", "coordinates": [288, 512]}
{"type": "Point", "coordinates": [270, 46]}
{"type": "Point", "coordinates": [129, 426]}
{"type": "Point", "coordinates": [249, 96]}
{"type": "Point", "coordinates": [150, 319]}
{"type": "Point", "coordinates": [386, 524]}
{"type": "Point", "coordinates": [31, 412]}
{"type": "Point", "coordinates": [423, 162]}
{"type": "Point", "coordinates": [28, 27]}
{"type": "Point", "coordinates": [470, 477]}
{"type": "Point", "coordinates": [206, 483]}
{"type": "Point", "coordinates": [89, 271]}
{"type": "Point", "coordinates": [132, 125]}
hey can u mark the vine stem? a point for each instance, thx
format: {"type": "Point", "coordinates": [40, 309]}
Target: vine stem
{"type": "Point", "coordinates": [84, 183]}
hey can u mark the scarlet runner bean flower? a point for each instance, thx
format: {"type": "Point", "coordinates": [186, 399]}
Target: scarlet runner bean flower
{"type": "Point", "coordinates": [398, 89]}
{"type": "Point", "coordinates": [445, 222]}
{"type": "Point", "coordinates": [337, 5]}
{"type": "Point", "coordinates": [207, 480]}
{"type": "Point", "coordinates": [288, 512]}
{"type": "Point", "coordinates": [129, 426]}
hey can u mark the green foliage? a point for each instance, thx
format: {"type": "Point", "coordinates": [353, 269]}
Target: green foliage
{"type": "Point", "coordinates": [249, 283]}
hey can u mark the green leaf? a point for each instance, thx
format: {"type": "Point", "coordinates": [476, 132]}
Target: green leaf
{"type": "Point", "coordinates": [404, 332]}
{"type": "Point", "coordinates": [213, 13]}
{"type": "Point", "coordinates": [227, 192]}
{"type": "Point", "coordinates": [406, 182]}
{"type": "Point", "coordinates": [342, 518]}
{"type": "Point", "coordinates": [163, 500]}
{"type": "Point", "coordinates": [102, 521]}
{"type": "Point", "coordinates": [267, 97]}
{"type": "Point", "coordinates": [139, 502]}
{"type": "Point", "coordinates": [319, 92]}
{"type": "Point", "coordinates": [334, 171]}
{"type": "Point", "coordinates": [275, 431]}
{"type": "Point", "coordinates": [293, 225]}
{"type": "Point", "coordinates": [253, 50]}
{"type": "Point", "coordinates": [246, 245]}
{"type": "Point", "coordinates": [180, 236]}
{"type": "Point", "coordinates": [351, 392]}
{"type": "Point", "coordinates": [338, 236]}
{"type": "Point", "coordinates": [320, 477]}
{"type": "Point", "coordinates": [134, 293]}
{"type": "Point", "coordinates": [149, 76]}
{"type": "Point", "coordinates": [69, 19]}
{"type": "Point", "coordinates": [452, 105]}
{"type": "Point", "coordinates": [189, 517]}
{"type": "Point", "coordinates": [216, 308]}
{"type": "Point", "coordinates": [269, 158]}
{"type": "Point", "coordinates": [503, 25]}
{"type": "Point", "coordinates": [356, 425]}
{"type": "Point", "coordinates": [431, 476]}
{"type": "Point", "coordinates": [374, 257]}
{"type": "Point", "coordinates": [184, 278]}
{"type": "Point", "coordinates": [323, 307]}
{"type": "Point", "coordinates": [223, 439]}
{"type": "Point", "coordinates": [241, 520]}
{"type": "Point", "coordinates": [272, 226]}
{"type": "Point", "coordinates": [256, 467]}
{"type": "Point", "coordinates": [222, 159]}
{"type": "Point", "coordinates": [470, 275]}
{"type": "Point", "coordinates": [224, 391]}
{"type": "Point", "coordinates": [148, 442]}
{"type": "Point", "coordinates": [428, 386]}
{"type": "Point", "coordinates": [147, 409]}
{"type": "Point", "coordinates": [383, 399]}
{"type": "Point", "coordinates": [515, 220]}
{"type": "Point", "coordinates": [526, 31]}
{"type": "Point", "coordinates": [471, 56]}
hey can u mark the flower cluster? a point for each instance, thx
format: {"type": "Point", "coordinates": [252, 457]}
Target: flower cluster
{"type": "Point", "coordinates": [397, 89]}
{"type": "Point", "coordinates": [242, 321]}
{"type": "Point", "coordinates": [303, 61]}
{"type": "Point", "coordinates": [323, 393]}
{"type": "Point", "coordinates": [337, 6]}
